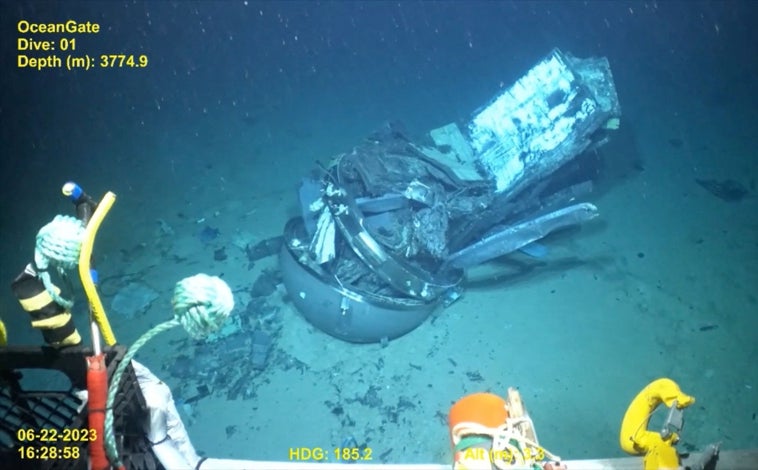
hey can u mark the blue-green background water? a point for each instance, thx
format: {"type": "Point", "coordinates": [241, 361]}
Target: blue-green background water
{"type": "Point", "coordinates": [238, 101]}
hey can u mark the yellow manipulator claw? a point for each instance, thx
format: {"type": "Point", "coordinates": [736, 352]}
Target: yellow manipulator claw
{"type": "Point", "coordinates": [636, 439]}
{"type": "Point", "coordinates": [3, 335]}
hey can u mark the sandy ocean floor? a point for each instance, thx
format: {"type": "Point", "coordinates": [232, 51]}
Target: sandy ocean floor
{"type": "Point", "coordinates": [656, 287]}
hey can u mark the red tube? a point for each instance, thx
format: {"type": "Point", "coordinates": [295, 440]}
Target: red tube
{"type": "Point", "coordinates": [97, 390]}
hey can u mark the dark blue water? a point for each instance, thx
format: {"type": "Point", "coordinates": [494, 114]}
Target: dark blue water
{"type": "Point", "coordinates": [237, 100]}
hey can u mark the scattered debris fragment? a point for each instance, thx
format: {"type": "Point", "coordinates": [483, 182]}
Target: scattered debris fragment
{"type": "Point", "coordinates": [728, 190]}
{"type": "Point", "coordinates": [265, 248]}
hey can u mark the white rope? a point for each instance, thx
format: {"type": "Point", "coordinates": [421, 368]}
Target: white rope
{"type": "Point", "coordinates": [510, 446]}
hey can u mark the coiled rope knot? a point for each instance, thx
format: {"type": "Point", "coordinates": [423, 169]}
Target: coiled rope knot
{"type": "Point", "coordinates": [202, 303]}
{"type": "Point", "coordinates": [58, 245]}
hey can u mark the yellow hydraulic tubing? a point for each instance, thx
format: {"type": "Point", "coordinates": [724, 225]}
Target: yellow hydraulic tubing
{"type": "Point", "coordinates": [3, 334]}
{"type": "Point", "coordinates": [636, 439]}
{"type": "Point", "coordinates": [96, 306]}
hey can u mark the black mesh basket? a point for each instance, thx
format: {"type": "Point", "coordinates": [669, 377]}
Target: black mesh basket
{"type": "Point", "coordinates": [35, 410]}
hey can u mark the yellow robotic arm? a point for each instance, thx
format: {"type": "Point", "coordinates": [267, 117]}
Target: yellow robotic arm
{"type": "Point", "coordinates": [636, 439]}
{"type": "Point", "coordinates": [3, 334]}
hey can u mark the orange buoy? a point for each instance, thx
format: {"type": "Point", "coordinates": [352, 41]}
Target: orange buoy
{"type": "Point", "coordinates": [486, 409]}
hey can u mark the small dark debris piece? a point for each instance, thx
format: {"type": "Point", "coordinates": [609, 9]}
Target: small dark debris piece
{"type": "Point", "coordinates": [640, 255]}
{"type": "Point", "coordinates": [208, 234]}
{"type": "Point", "coordinates": [220, 254]}
{"type": "Point", "coordinates": [404, 403]}
{"type": "Point", "coordinates": [230, 430]}
{"type": "Point", "coordinates": [676, 142]}
{"type": "Point", "coordinates": [264, 248]}
{"type": "Point", "coordinates": [202, 392]}
{"type": "Point", "coordinates": [238, 386]}
{"type": "Point", "coordinates": [384, 455]}
{"type": "Point", "coordinates": [474, 376]}
{"type": "Point", "coordinates": [371, 398]}
{"type": "Point", "coordinates": [727, 190]}
{"type": "Point", "coordinates": [709, 327]}
{"type": "Point", "coordinates": [183, 367]}
{"type": "Point", "coordinates": [261, 346]}
{"type": "Point", "coordinates": [266, 283]}
{"type": "Point", "coordinates": [253, 310]}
